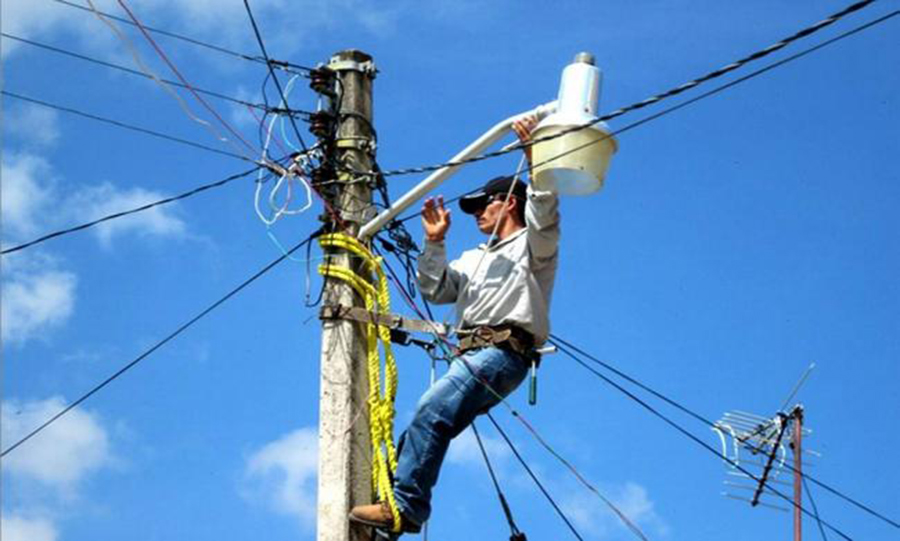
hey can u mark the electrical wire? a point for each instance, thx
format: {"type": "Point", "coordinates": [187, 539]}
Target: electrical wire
{"type": "Point", "coordinates": [136, 56]}
{"type": "Point", "coordinates": [262, 47]}
{"type": "Point", "coordinates": [127, 126]}
{"type": "Point", "coordinates": [113, 216]}
{"type": "Point", "coordinates": [507, 512]}
{"type": "Point", "coordinates": [186, 39]}
{"type": "Point", "coordinates": [672, 92]}
{"type": "Point", "coordinates": [534, 478]}
{"type": "Point", "coordinates": [445, 345]}
{"type": "Point", "coordinates": [181, 78]}
{"type": "Point", "coordinates": [815, 509]}
{"type": "Point", "coordinates": [157, 345]}
{"type": "Point", "coordinates": [128, 70]}
{"type": "Point", "coordinates": [711, 424]}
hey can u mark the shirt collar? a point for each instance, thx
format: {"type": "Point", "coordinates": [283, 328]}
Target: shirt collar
{"type": "Point", "coordinates": [498, 243]}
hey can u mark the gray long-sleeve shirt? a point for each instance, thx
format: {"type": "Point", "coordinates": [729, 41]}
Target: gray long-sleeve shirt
{"type": "Point", "coordinates": [514, 282]}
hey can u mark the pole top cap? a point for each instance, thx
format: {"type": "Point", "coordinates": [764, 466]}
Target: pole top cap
{"type": "Point", "coordinates": [585, 58]}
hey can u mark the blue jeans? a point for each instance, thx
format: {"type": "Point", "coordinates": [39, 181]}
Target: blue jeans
{"type": "Point", "coordinates": [444, 411]}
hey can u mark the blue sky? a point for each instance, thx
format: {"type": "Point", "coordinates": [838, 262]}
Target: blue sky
{"type": "Point", "coordinates": [736, 241]}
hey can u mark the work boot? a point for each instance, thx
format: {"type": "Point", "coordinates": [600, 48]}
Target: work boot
{"type": "Point", "coordinates": [378, 515]}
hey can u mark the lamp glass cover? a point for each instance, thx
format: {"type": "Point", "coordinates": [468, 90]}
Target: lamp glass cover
{"type": "Point", "coordinates": [573, 164]}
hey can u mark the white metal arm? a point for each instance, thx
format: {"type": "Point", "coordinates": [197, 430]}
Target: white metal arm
{"type": "Point", "coordinates": [436, 178]}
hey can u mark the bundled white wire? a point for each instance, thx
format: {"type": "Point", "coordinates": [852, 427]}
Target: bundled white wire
{"type": "Point", "coordinates": [292, 175]}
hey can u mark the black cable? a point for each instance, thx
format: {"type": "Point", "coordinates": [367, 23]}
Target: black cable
{"type": "Point", "coordinates": [158, 345]}
{"type": "Point", "coordinates": [185, 38]}
{"type": "Point", "coordinates": [129, 70]}
{"type": "Point", "coordinates": [625, 520]}
{"type": "Point", "coordinates": [815, 509]}
{"type": "Point", "coordinates": [713, 91]}
{"type": "Point", "coordinates": [711, 424]}
{"type": "Point", "coordinates": [124, 125]}
{"type": "Point", "coordinates": [685, 432]}
{"type": "Point", "coordinates": [515, 533]}
{"type": "Point", "coordinates": [115, 215]}
{"type": "Point", "coordinates": [262, 47]}
{"type": "Point", "coordinates": [534, 478]}
{"type": "Point", "coordinates": [673, 92]}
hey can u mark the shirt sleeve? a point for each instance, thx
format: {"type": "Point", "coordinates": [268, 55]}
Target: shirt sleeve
{"type": "Point", "coordinates": [438, 280]}
{"type": "Point", "coordinates": [542, 222]}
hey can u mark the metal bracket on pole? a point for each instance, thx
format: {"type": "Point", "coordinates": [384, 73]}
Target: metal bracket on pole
{"type": "Point", "coordinates": [392, 321]}
{"type": "Point", "coordinates": [367, 67]}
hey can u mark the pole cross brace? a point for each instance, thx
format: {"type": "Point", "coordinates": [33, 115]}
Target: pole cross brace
{"type": "Point", "coordinates": [392, 321]}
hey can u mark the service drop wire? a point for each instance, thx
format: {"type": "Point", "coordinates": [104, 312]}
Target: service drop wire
{"type": "Point", "coordinates": [113, 216]}
{"type": "Point", "coordinates": [160, 344]}
{"type": "Point", "coordinates": [444, 344]}
{"type": "Point", "coordinates": [124, 125]}
{"type": "Point", "coordinates": [711, 424]}
{"type": "Point", "coordinates": [672, 92]}
{"type": "Point", "coordinates": [265, 54]}
{"type": "Point", "coordinates": [187, 39]}
{"type": "Point", "coordinates": [644, 120]}
{"type": "Point", "coordinates": [128, 70]}
{"type": "Point", "coordinates": [559, 344]}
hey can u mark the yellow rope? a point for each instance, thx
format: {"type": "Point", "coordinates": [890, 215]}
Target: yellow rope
{"type": "Point", "coordinates": [381, 402]}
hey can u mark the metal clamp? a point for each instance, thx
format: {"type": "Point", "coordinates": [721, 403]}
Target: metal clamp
{"type": "Point", "coordinates": [367, 67]}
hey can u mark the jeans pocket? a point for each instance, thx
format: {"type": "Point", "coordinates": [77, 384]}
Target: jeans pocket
{"type": "Point", "coordinates": [505, 372]}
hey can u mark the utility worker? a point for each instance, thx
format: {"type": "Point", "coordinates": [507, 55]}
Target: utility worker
{"type": "Point", "coordinates": [502, 294]}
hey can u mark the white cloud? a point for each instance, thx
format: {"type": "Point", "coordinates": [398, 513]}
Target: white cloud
{"type": "Point", "coordinates": [32, 204]}
{"type": "Point", "coordinates": [36, 298]}
{"type": "Point", "coordinates": [60, 456]}
{"type": "Point", "coordinates": [33, 125]}
{"type": "Point", "coordinates": [27, 191]}
{"type": "Point", "coordinates": [593, 517]}
{"type": "Point", "coordinates": [283, 473]}
{"type": "Point", "coordinates": [15, 527]}
{"type": "Point", "coordinates": [464, 450]}
{"type": "Point", "coordinates": [98, 201]}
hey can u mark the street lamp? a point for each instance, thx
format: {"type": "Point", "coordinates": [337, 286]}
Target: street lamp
{"type": "Point", "coordinates": [571, 164]}
{"type": "Point", "coordinates": [574, 163]}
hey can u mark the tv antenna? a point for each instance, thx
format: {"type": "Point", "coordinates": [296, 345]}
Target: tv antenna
{"type": "Point", "coordinates": [757, 449]}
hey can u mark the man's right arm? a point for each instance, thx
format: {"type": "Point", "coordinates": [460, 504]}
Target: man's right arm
{"type": "Point", "coordinates": [438, 281]}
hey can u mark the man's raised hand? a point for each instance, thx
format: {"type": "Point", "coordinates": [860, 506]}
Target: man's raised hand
{"type": "Point", "coordinates": [435, 219]}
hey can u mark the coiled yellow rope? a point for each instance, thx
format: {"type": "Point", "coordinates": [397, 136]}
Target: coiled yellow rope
{"type": "Point", "coordinates": [381, 401]}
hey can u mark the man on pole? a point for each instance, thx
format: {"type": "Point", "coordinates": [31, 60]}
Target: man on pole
{"type": "Point", "coordinates": [502, 293]}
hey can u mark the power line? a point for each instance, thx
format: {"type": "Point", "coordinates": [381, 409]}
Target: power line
{"type": "Point", "coordinates": [444, 344]}
{"type": "Point", "coordinates": [711, 424]}
{"type": "Point", "coordinates": [133, 71]}
{"type": "Point", "coordinates": [171, 65]}
{"type": "Point", "coordinates": [534, 477]}
{"type": "Point", "coordinates": [558, 343]}
{"type": "Point", "coordinates": [121, 214]}
{"type": "Point", "coordinates": [158, 345]}
{"type": "Point", "coordinates": [262, 48]}
{"type": "Point", "coordinates": [515, 533]}
{"type": "Point", "coordinates": [666, 111]}
{"type": "Point", "coordinates": [187, 39]}
{"type": "Point", "coordinates": [671, 92]}
{"type": "Point", "coordinates": [815, 509]}
{"type": "Point", "coordinates": [123, 125]}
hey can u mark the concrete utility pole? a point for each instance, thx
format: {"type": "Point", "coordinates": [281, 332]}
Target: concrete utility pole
{"type": "Point", "coordinates": [345, 451]}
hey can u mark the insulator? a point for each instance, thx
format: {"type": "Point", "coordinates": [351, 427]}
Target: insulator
{"type": "Point", "coordinates": [321, 124]}
{"type": "Point", "coordinates": [321, 80]}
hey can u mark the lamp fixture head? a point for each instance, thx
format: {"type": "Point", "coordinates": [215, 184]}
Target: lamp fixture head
{"type": "Point", "coordinates": [574, 163]}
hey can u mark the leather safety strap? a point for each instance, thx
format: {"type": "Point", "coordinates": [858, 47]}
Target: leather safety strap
{"type": "Point", "coordinates": [391, 321]}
